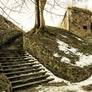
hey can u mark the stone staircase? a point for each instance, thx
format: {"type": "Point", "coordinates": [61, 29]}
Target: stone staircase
{"type": "Point", "coordinates": [22, 69]}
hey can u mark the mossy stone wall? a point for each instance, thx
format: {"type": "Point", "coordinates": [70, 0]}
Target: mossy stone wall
{"type": "Point", "coordinates": [60, 69]}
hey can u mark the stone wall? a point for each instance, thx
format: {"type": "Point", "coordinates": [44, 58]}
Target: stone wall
{"type": "Point", "coordinates": [11, 39]}
{"type": "Point", "coordinates": [43, 45]}
{"type": "Point", "coordinates": [6, 24]}
{"type": "Point", "coordinates": [65, 22]}
{"type": "Point", "coordinates": [11, 36]}
{"type": "Point", "coordinates": [78, 21]}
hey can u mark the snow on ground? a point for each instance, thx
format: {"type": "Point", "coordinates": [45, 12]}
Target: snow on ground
{"type": "Point", "coordinates": [84, 60]}
{"type": "Point", "coordinates": [65, 59]}
{"type": "Point", "coordinates": [77, 87]}
{"type": "Point", "coordinates": [56, 55]}
{"type": "Point", "coordinates": [65, 47]}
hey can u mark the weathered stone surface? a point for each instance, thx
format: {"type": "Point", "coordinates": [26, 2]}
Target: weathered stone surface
{"type": "Point", "coordinates": [5, 24]}
{"type": "Point", "coordinates": [43, 44]}
{"type": "Point", "coordinates": [79, 21]}
{"type": "Point", "coordinates": [5, 85]}
{"type": "Point", "coordinates": [9, 32]}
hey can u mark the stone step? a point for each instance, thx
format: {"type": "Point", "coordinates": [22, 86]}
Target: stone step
{"type": "Point", "coordinates": [25, 76]}
{"type": "Point", "coordinates": [23, 72]}
{"type": "Point", "coordinates": [31, 84]}
{"type": "Point", "coordinates": [8, 54]}
{"type": "Point", "coordinates": [16, 62]}
{"type": "Point", "coordinates": [29, 58]}
{"type": "Point", "coordinates": [31, 79]}
{"type": "Point", "coordinates": [10, 60]}
{"type": "Point", "coordinates": [20, 69]}
{"type": "Point", "coordinates": [19, 65]}
{"type": "Point", "coordinates": [17, 57]}
{"type": "Point", "coordinates": [9, 57]}
{"type": "Point", "coordinates": [27, 55]}
{"type": "Point", "coordinates": [22, 52]}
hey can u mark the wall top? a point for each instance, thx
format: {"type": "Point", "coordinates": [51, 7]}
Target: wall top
{"type": "Point", "coordinates": [80, 10]}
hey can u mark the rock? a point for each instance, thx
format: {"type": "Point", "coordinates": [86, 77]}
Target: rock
{"type": "Point", "coordinates": [5, 85]}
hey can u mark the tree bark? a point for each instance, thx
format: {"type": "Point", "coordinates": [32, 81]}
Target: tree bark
{"type": "Point", "coordinates": [39, 18]}
{"type": "Point", "coordinates": [42, 5]}
{"type": "Point", "coordinates": [37, 14]}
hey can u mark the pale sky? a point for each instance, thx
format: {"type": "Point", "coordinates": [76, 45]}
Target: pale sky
{"type": "Point", "coordinates": [26, 16]}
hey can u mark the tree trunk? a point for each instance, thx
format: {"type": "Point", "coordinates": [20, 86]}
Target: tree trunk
{"type": "Point", "coordinates": [42, 5]}
{"type": "Point", "coordinates": [37, 14]}
{"type": "Point", "coordinates": [39, 18]}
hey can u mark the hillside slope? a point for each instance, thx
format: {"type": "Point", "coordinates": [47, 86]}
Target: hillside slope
{"type": "Point", "coordinates": [65, 54]}
{"type": "Point", "coordinates": [8, 31]}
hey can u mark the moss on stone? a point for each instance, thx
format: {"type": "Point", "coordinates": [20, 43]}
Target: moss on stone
{"type": "Point", "coordinates": [5, 84]}
{"type": "Point", "coordinates": [43, 44]}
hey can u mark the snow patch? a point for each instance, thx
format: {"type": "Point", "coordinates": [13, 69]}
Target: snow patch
{"type": "Point", "coordinates": [56, 55]}
{"type": "Point", "coordinates": [64, 36]}
{"type": "Point", "coordinates": [70, 86]}
{"type": "Point", "coordinates": [65, 59]}
{"type": "Point", "coordinates": [65, 47]}
{"type": "Point", "coordinates": [78, 38]}
{"type": "Point", "coordinates": [85, 82]}
{"type": "Point", "coordinates": [84, 60]}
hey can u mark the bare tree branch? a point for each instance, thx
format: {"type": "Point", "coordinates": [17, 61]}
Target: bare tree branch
{"type": "Point", "coordinates": [9, 16]}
